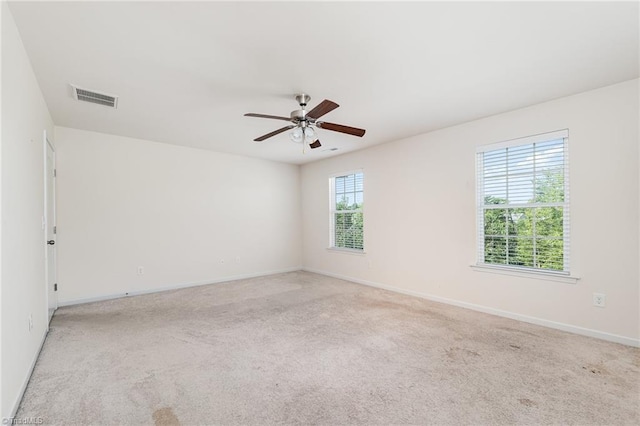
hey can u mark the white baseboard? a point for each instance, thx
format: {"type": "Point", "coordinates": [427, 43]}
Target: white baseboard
{"type": "Point", "coordinates": [174, 287]}
{"type": "Point", "coordinates": [23, 388]}
{"type": "Point", "coordinates": [512, 315]}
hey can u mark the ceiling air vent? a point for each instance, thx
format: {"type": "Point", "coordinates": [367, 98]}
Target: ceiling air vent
{"type": "Point", "coordinates": [94, 97]}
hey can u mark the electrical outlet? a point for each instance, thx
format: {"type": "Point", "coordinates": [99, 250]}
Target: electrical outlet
{"type": "Point", "coordinates": [140, 270]}
{"type": "Point", "coordinates": [222, 261]}
{"type": "Point", "coordinates": [599, 300]}
{"type": "Point", "coordinates": [237, 259]}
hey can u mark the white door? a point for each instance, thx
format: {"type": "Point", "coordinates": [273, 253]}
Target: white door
{"type": "Point", "coordinates": [50, 223]}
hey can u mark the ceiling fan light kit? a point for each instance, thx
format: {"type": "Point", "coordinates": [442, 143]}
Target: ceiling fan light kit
{"type": "Point", "coordinates": [298, 134]}
{"type": "Point", "coordinates": [304, 123]}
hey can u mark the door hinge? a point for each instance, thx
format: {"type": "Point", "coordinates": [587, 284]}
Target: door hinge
{"type": "Point", "coordinates": [55, 172]}
{"type": "Point", "coordinates": [55, 229]}
{"type": "Point", "coordinates": [55, 287]}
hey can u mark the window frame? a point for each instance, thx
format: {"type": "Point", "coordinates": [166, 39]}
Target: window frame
{"type": "Point", "coordinates": [333, 212]}
{"type": "Point", "coordinates": [518, 270]}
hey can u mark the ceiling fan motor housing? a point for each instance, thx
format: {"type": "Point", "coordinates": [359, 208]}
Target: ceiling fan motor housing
{"type": "Point", "coordinates": [299, 115]}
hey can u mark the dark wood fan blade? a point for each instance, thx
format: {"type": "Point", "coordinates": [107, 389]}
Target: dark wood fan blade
{"type": "Point", "coordinates": [340, 128]}
{"type": "Point", "coordinates": [315, 145]}
{"type": "Point", "coordinates": [275, 132]}
{"type": "Point", "coordinates": [322, 108]}
{"type": "Point", "coordinates": [275, 117]}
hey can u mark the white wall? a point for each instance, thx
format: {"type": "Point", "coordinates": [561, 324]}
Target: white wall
{"type": "Point", "coordinates": [24, 118]}
{"type": "Point", "coordinates": [2, 25]}
{"type": "Point", "coordinates": [420, 215]}
{"type": "Point", "coordinates": [176, 211]}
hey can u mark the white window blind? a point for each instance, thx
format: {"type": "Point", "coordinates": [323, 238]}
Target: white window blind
{"type": "Point", "coordinates": [347, 197]}
{"type": "Point", "coordinates": [523, 203]}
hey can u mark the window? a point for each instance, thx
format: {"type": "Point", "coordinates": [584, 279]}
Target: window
{"type": "Point", "coordinates": [523, 203]}
{"type": "Point", "coordinates": [347, 196]}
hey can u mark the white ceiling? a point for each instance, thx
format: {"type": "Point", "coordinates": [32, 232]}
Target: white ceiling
{"type": "Point", "coordinates": [187, 72]}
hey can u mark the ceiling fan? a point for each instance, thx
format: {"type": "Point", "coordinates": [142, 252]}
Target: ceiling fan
{"type": "Point", "coordinates": [304, 123]}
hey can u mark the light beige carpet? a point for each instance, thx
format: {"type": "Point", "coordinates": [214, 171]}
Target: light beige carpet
{"type": "Point", "coordinates": [301, 348]}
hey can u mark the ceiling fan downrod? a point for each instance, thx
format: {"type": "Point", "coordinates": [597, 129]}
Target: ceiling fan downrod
{"type": "Point", "coordinates": [300, 115]}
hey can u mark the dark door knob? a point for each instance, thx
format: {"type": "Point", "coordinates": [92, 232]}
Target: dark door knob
{"type": "Point", "coordinates": [51, 242]}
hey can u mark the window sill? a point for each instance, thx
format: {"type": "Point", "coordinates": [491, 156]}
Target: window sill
{"type": "Point", "coordinates": [516, 272]}
{"type": "Point", "coordinates": [347, 251]}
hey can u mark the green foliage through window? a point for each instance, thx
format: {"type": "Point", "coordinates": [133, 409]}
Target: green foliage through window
{"type": "Point", "coordinates": [348, 220]}
{"type": "Point", "coordinates": [523, 206]}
